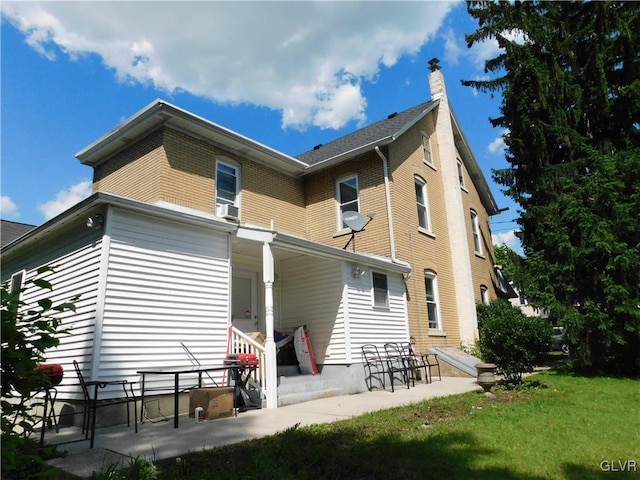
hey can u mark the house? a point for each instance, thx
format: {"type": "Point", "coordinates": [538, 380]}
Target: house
{"type": "Point", "coordinates": [10, 231]}
{"type": "Point", "coordinates": [196, 236]}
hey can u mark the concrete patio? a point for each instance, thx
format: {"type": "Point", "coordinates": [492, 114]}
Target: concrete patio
{"type": "Point", "coordinates": [159, 440]}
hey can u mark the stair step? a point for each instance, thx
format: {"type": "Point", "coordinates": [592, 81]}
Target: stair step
{"type": "Point", "coordinates": [300, 396]}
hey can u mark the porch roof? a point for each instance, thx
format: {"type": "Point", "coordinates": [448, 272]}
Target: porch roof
{"type": "Point", "coordinates": [291, 243]}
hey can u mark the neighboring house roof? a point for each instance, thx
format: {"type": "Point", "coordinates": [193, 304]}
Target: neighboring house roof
{"type": "Point", "coordinates": [10, 231]}
{"type": "Point", "coordinates": [376, 134]}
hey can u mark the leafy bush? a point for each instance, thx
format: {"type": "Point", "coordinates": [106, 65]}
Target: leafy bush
{"type": "Point", "coordinates": [26, 335]}
{"type": "Point", "coordinates": [510, 339]}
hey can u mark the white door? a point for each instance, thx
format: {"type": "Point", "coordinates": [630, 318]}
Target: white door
{"type": "Point", "coordinates": [244, 305]}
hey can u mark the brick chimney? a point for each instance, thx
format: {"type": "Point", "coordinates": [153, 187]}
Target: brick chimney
{"type": "Point", "coordinates": [436, 80]}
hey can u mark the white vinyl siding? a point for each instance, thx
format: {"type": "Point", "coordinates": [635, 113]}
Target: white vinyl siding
{"type": "Point", "coordinates": [167, 283]}
{"type": "Point", "coordinates": [76, 273]}
{"type": "Point", "coordinates": [368, 324]}
{"type": "Point", "coordinates": [312, 296]}
{"type": "Point", "coordinates": [340, 317]}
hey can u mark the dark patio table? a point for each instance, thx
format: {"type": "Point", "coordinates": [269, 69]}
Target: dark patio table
{"type": "Point", "coordinates": [236, 372]}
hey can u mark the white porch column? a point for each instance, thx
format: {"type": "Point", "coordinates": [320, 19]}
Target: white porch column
{"type": "Point", "coordinates": [271, 367]}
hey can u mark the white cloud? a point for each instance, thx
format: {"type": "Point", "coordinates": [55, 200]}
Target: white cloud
{"type": "Point", "coordinates": [8, 209]}
{"type": "Point", "coordinates": [497, 146]}
{"type": "Point", "coordinates": [65, 199]}
{"type": "Point", "coordinates": [306, 59]}
{"type": "Point", "coordinates": [454, 47]}
{"type": "Point", "coordinates": [507, 238]}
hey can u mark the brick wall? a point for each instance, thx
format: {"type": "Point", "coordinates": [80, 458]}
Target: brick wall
{"type": "Point", "coordinates": [174, 167]}
{"type": "Point", "coordinates": [135, 171]}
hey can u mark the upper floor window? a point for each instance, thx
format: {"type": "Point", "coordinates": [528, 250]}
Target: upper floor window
{"type": "Point", "coordinates": [426, 149]}
{"type": "Point", "coordinates": [475, 230]}
{"type": "Point", "coordinates": [431, 287]}
{"type": "Point", "coordinates": [380, 289]}
{"type": "Point", "coordinates": [227, 183]}
{"type": "Point", "coordinates": [347, 196]}
{"type": "Point", "coordinates": [461, 173]}
{"type": "Point", "coordinates": [484, 294]}
{"type": "Point", "coordinates": [422, 202]}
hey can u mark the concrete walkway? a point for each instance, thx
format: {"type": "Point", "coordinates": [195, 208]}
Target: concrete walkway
{"type": "Point", "coordinates": [159, 440]}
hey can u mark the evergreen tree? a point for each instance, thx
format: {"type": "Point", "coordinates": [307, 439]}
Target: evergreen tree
{"type": "Point", "coordinates": [569, 75]}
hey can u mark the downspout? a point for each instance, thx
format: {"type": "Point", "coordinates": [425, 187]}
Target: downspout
{"type": "Point", "coordinates": [387, 193]}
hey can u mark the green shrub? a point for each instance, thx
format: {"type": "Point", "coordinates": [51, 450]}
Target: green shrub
{"type": "Point", "coordinates": [510, 339]}
{"type": "Point", "coordinates": [26, 336]}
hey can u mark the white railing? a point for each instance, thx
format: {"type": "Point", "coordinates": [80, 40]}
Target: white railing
{"type": "Point", "coordinates": [239, 342]}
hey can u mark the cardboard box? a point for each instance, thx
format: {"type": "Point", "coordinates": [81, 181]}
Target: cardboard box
{"type": "Point", "coordinates": [257, 336]}
{"type": "Point", "coordinates": [216, 401]}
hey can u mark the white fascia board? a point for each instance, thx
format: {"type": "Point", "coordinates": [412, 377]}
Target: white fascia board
{"type": "Point", "coordinates": [98, 199]}
{"type": "Point", "coordinates": [159, 113]}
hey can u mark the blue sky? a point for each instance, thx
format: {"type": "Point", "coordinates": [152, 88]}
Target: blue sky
{"type": "Point", "coordinates": [290, 75]}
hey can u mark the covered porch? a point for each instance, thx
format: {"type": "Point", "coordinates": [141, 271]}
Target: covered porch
{"type": "Point", "coordinates": [281, 282]}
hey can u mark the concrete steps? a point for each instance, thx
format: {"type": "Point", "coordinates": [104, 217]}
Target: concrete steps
{"type": "Point", "coordinates": [298, 388]}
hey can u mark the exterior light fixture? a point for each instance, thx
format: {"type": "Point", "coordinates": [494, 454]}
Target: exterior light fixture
{"type": "Point", "coordinates": [96, 221]}
{"type": "Point", "coordinates": [357, 272]}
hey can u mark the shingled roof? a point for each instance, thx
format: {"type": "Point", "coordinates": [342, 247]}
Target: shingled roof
{"type": "Point", "coordinates": [9, 231]}
{"type": "Point", "coordinates": [378, 133]}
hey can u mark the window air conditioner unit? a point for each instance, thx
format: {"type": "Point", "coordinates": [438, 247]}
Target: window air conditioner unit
{"type": "Point", "coordinates": [230, 212]}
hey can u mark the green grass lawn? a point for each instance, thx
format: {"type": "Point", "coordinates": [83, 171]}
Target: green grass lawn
{"type": "Point", "coordinates": [559, 427]}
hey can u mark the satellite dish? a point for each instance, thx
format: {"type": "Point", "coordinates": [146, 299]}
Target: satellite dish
{"type": "Point", "coordinates": [354, 220]}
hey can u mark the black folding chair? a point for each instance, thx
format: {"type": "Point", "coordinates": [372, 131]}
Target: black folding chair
{"type": "Point", "coordinates": [396, 364]}
{"type": "Point", "coordinates": [431, 360]}
{"type": "Point", "coordinates": [415, 363]}
{"type": "Point", "coordinates": [375, 366]}
{"type": "Point", "coordinates": [92, 403]}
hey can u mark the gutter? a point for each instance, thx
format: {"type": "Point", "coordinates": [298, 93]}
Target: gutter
{"type": "Point", "coordinates": [387, 194]}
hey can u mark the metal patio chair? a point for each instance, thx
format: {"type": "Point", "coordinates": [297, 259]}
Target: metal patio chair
{"type": "Point", "coordinates": [397, 365]}
{"type": "Point", "coordinates": [90, 392]}
{"type": "Point", "coordinates": [375, 366]}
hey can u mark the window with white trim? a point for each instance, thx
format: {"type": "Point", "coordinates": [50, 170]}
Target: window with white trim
{"type": "Point", "coordinates": [433, 310]}
{"type": "Point", "coordinates": [461, 173]}
{"type": "Point", "coordinates": [484, 294]}
{"type": "Point", "coordinates": [426, 149]}
{"type": "Point", "coordinates": [422, 202]}
{"type": "Point", "coordinates": [347, 197]}
{"type": "Point", "coordinates": [380, 289]}
{"type": "Point", "coordinates": [475, 230]}
{"type": "Point", "coordinates": [227, 183]}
